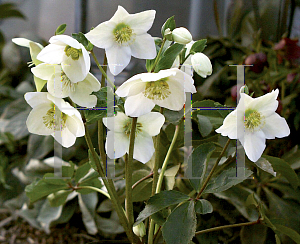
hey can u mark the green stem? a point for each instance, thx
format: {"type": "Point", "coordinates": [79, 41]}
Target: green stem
{"type": "Point", "coordinates": [95, 189]}
{"type": "Point", "coordinates": [156, 162]}
{"type": "Point", "coordinates": [212, 170]}
{"type": "Point", "coordinates": [227, 226]}
{"type": "Point", "coordinates": [160, 180]}
{"type": "Point", "coordinates": [101, 69]}
{"type": "Point", "coordinates": [105, 71]}
{"type": "Point", "coordinates": [101, 145]}
{"type": "Point", "coordinates": [141, 180]}
{"type": "Point", "coordinates": [158, 55]}
{"type": "Point", "coordinates": [165, 163]}
{"type": "Point", "coordinates": [128, 174]}
{"type": "Point", "coordinates": [110, 188]}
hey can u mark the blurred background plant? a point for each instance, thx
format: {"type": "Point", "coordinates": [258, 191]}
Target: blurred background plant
{"type": "Point", "coordinates": [254, 33]}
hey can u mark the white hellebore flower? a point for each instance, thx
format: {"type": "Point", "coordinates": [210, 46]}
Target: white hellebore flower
{"type": "Point", "coordinates": [117, 141]}
{"type": "Point", "coordinates": [166, 88]}
{"type": "Point", "coordinates": [43, 119]}
{"type": "Point", "coordinates": [253, 121]}
{"type": "Point", "coordinates": [181, 35]}
{"type": "Point", "coordinates": [124, 35]}
{"type": "Point", "coordinates": [59, 85]}
{"type": "Point", "coordinates": [68, 52]}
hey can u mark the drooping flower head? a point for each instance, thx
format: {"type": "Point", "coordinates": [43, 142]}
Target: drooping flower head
{"type": "Point", "coordinates": [68, 52]}
{"type": "Point", "coordinates": [124, 35]}
{"type": "Point", "coordinates": [253, 121]}
{"type": "Point", "coordinates": [117, 141]}
{"type": "Point", "coordinates": [59, 85]}
{"type": "Point", "coordinates": [166, 88]}
{"type": "Point", "coordinates": [51, 115]}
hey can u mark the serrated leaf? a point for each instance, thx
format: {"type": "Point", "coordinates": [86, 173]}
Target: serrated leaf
{"type": "Point", "coordinates": [282, 167]}
{"type": "Point", "coordinates": [198, 46]}
{"type": "Point", "coordinates": [180, 226]}
{"type": "Point", "coordinates": [169, 57]}
{"type": "Point", "coordinates": [61, 29]}
{"type": "Point", "coordinates": [203, 206]}
{"type": "Point", "coordinates": [170, 23]}
{"type": "Point", "coordinates": [226, 180]}
{"type": "Point", "coordinates": [289, 232]}
{"type": "Point", "coordinates": [198, 161]}
{"type": "Point", "coordinates": [160, 201]}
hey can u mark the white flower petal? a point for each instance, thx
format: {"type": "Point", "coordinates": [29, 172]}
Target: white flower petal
{"type": "Point", "coordinates": [143, 148]}
{"type": "Point", "coordinates": [120, 143]}
{"type": "Point", "coordinates": [74, 69]}
{"type": "Point", "coordinates": [138, 105]}
{"type": "Point", "coordinates": [118, 58]}
{"type": "Point", "coordinates": [229, 127]}
{"type": "Point", "coordinates": [140, 22]}
{"type": "Point", "coordinates": [58, 88]}
{"type": "Point", "coordinates": [124, 89]}
{"type": "Point", "coordinates": [151, 123]}
{"type": "Point", "coordinates": [52, 54]}
{"type": "Point", "coordinates": [64, 40]}
{"type": "Point", "coordinates": [116, 123]}
{"type": "Point", "coordinates": [102, 35]}
{"type": "Point", "coordinates": [266, 104]}
{"type": "Point", "coordinates": [201, 64]}
{"type": "Point", "coordinates": [66, 138]}
{"type": "Point", "coordinates": [23, 42]}
{"type": "Point", "coordinates": [160, 75]}
{"type": "Point", "coordinates": [35, 123]}
{"type": "Point", "coordinates": [143, 47]}
{"type": "Point", "coordinates": [45, 71]}
{"type": "Point", "coordinates": [119, 15]}
{"type": "Point", "coordinates": [275, 126]}
{"type": "Point", "coordinates": [36, 98]}
{"type": "Point", "coordinates": [254, 144]}
{"type": "Point", "coordinates": [86, 59]}
{"type": "Point", "coordinates": [186, 79]}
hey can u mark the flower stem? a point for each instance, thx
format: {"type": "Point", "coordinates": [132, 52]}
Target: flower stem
{"type": "Point", "coordinates": [95, 189]}
{"type": "Point", "coordinates": [156, 163]}
{"type": "Point", "coordinates": [101, 69]}
{"type": "Point", "coordinates": [141, 180]}
{"type": "Point", "coordinates": [160, 180]}
{"type": "Point", "coordinates": [105, 70]}
{"type": "Point", "coordinates": [227, 226]}
{"type": "Point", "coordinates": [110, 188]}
{"type": "Point", "coordinates": [158, 55]}
{"type": "Point", "coordinates": [212, 170]}
{"type": "Point", "coordinates": [128, 174]}
{"type": "Point", "coordinates": [101, 145]}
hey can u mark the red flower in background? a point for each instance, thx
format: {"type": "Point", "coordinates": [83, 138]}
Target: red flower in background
{"type": "Point", "coordinates": [258, 60]}
{"type": "Point", "coordinates": [288, 49]}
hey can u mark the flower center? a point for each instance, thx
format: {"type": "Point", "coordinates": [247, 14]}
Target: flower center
{"type": "Point", "coordinates": [128, 125]}
{"type": "Point", "coordinates": [252, 119]}
{"type": "Point", "coordinates": [157, 90]}
{"type": "Point", "coordinates": [123, 33]}
{"type": "Point", "coordinates": [66, 83]}
{"type": "Point", "coordinates": [52, 122]}
{"type": "Point", "coordinates": [73, 52]}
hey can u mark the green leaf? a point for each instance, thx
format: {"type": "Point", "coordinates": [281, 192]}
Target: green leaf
{"type": "Point", "coordinates": [173, 117]}
{"type": "Point", "coordinates": [39, 189]}
{"type": "Point", "coordinates": [265, 165]}
{"type": "Point", "coordinates": [169, 57]}
{"type": "Point", "coordinates": [282, 167]}
{"type": "Point", "coordinates": [170, 23]}
{"type": "Point", "coordinates": [198, 46]}
{"type": "Point", "coordinates": [58, 198]}
{"type": "Point", "coordinates": [7, 11]}
{"type": "Point", "coordinates": [198, 160]}
{"type": "Point", "coordinates": [81, 171]}
{"type": "Point", "coordinates": [203, 206]}
{"type": "Point", "coordinates": [80, 37]}
{"type": "Point", "coordinates": [87, 204]}
{"type": "Point", "coordinates": [277, 239]}
{"type": "Point", "coordinates": [160, 201]}
{"type": "Point", "coordinates": [94, 114]}
{"type": "Point", "coordinates": [226, 180]}
{"type": "Point", "coordinates": [143, 190]}
{"type": "Point", "coordinates": [180, 226]}
{"type": "Point", "coordinates": [91, 161]}
{"type": "Point", "coordinates": [205, 126]}
{"type": "Point", "coordinates": [253, 234]}
{"type": "Point", "coordinates": [61, 29]}
{"type": "Point", "coordinates": [289, 232]}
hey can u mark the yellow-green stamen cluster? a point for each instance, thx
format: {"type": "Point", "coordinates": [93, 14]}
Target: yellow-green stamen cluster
{"type": "Point", "coordinates": [157, 90]}
{"type": "Point", "coordinates": [128, 125]}
{"type": "Point", "coordinates": [53, 122]}
{"type": "Point", "coordinates": [252, 119]}
{"type": "Point", "coordinates": [73, 52]}
{"type": "Point", "coordinates": [123, 33]}
{"type": "Point", "coordinates": [66, 82]}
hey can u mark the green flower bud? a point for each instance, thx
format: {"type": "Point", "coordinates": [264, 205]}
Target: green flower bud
{"type": "Point", "coordinates": [139, 230]}
{"type": "Point", "coordinates": [182, 36]}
